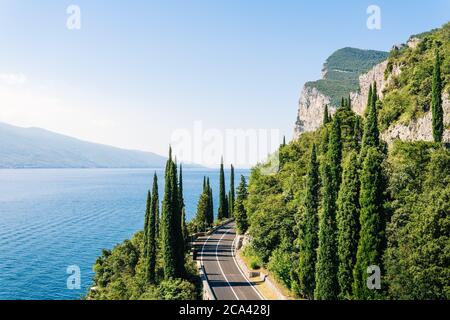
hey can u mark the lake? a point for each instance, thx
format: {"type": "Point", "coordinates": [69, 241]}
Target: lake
{"type": "Point", "coordinates": [52, 219]}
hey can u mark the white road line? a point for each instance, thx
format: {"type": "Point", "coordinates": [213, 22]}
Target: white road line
{"type": "Point", "coordinates": [221, 270]}
{"type": "Point", "coordinates": [242, 273]}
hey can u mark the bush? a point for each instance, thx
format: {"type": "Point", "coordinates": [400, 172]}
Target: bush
{"type": "Point", "coordinates": [280, 265]}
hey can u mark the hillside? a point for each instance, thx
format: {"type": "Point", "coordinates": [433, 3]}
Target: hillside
{"type": "Point", "coordinates": [365, 188]}
{"type": "Point", "coordinates": [341, 75]}
{"type": "Point", "coordinates": [39, 148]}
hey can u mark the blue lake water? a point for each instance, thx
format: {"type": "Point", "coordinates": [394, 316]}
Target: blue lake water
{"type": "Point", "coordinates": [52, 219]}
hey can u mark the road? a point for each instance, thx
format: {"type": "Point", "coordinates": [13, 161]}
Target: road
{"type": "Point", "coordinates": [227, 281]}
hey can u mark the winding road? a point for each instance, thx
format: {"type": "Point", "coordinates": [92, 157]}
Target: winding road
{"type": "Point", "coordinates": [226, 279]}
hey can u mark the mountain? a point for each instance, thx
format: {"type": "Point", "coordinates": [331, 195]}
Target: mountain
{"type": "Point", "coordinates": [403, 78]}
{"type": "Point", "coordinates": [39, 148]}
{"type": "Point", "coordinates": [340, 76]}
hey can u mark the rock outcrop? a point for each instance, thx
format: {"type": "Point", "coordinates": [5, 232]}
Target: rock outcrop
{"type": "Point", "coordinates": [311, 108]}
{"type": "Point", "coordinates": [419, 129]}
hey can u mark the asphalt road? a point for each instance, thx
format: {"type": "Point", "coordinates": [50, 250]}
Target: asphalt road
{"type": "Point", "coordinates": [225, 278]}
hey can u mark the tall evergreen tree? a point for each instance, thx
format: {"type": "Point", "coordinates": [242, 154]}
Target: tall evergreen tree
{"type": "Point", "coordinates": [155, 204]}
{"type": "Point", "coordinates": [436, 102]}
{"type": "Point", "coordinates": [222, 212]}
{"type": "Point", "coordinates": [326, 116]}
{"type": "Point", "coordinates": [309, 230]}
{"type": "Point", "coordinates": [171, 227]}
{"type": "Point", "coordinates": [371, 238]}
{"type": "Point", "coordinates": [371, 135]}
{"type": "Point", "coordinates": [211, 204]}
{"type": "Point", "coordinates": [327, 263]}
{"type": "Point", "coordinates": [151, 237]}
{"type": "Point", "coordinates": [335, 152]}
{"type": "Point", "coordinates": [240, 211]}
{"type": "Point", "coordinates": [148, 209]}
{"type": "Point", "coordinates": [357, 136]}
{"type": "Point", "coordinates": [232, 193]}
{"type": "Point", "coordinates": [325, 140]}
{"type": "Point", "coordinates": [168, 229]}
{"type": "Point", "coordinates": [180, 187]}
{"type": "Point", "coordinates": [347, 218]}
{"type": "Point", "coordinates": [202, 212]}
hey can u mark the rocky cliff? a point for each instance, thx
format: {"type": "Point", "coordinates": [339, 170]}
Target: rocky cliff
{"type": "Point", "coordinates": [412, 120]}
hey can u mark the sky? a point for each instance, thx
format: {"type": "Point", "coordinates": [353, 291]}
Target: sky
{"type": "Point", "coordinates": [138, 72]}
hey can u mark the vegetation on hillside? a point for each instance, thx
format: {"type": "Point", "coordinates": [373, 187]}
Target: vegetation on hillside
{"type": "Point", "coordinates": [410, 93]}
{"type": "Point", "coordinates": [342, 70]}
{"type": "Point", "coordinates": [390, 213]}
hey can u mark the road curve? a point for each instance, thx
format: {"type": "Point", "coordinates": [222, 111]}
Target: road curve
{"type": "Point", "coordinates": [216, 253]}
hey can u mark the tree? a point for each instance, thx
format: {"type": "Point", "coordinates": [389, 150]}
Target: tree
{"type": "Point", "coordinates": [436, 102]}
{"type": "Point", "coordinates": [210, 217]}
{"type": "Point", "coordinates": [309, 230]}
{"type": "Point", "coordinates": [151, 235]}
{"type": "Point", "coordinates": [239, 207]}
{"type": "Point", "coordinates": [232, 192]}
{"type": "Point", "coordinates": [347, 218]}
{"type": "Point", "coordinates": [326, 267]}
{"type": "Point", "coordinates": [201, 218]}
{"type": "Point", "coordinates": [335, 153]}
{"type": "Point", "coordinates": [223, 212]}
{"type": "Point", "coordinates": [371, 238]}
{"type": "Point", "coordinates": [146, 221]}
{"type": "Point", "coordinates": [155, 204]}
{"type": "Point", "coordinates": [371, 136]}
{"type": "Point", "coordinates": [180, 187]}
{"type": "Point", "coordinates": [326, 116]}
{"type": "Point", "coordinates": [171, 229]}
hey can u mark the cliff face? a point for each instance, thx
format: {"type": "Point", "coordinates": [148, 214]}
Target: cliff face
{"type": "Point", "coordinates": [416, 127]}
{"type": "Point", "coordinates": [419, 129]}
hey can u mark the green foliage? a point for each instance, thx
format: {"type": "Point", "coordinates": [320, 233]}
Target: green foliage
{"type": "Point", "coordinates": [223, 204]}
{"type": "Point", "coordinates": [418, 233]}
{"type": "Point", "coordinates": [202, 212]}
{"type": "Point", "coordinates": [309, 230]}
{"type": "Point", "coordinates": [343, 69]}
{"type": "Point", "coordinates": [177, 289]}
{"type": "Point", "coordinates": [326, 267]}
{"type": "Point", "coordinates": [347, 218]}
{"type": "Point", "coordinates": [410, 93]}
{"type": "Point", "coordinates": [372, 222]}
{"type": "Point", "coordinates": [240, 212]}
{"type": "Point", "coordinates": [436, 101]}
{"type": "Point", "coordinates": [232, 195]}
{"type": "Point", "coordinates": [280, 265]}
{"type": "Point", "coordinates": [151, 237]}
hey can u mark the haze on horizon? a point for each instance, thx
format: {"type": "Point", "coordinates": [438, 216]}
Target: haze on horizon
{"type": "Point", "coordinates": [136, 72]}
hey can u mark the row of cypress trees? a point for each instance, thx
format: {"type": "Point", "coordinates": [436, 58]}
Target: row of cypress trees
{"type": "Point", "coordinates": [205, 206]}
{"type": "Point", "coordinates": [168, 232]}
{"type": "Point", "coordinates": [339, 244]}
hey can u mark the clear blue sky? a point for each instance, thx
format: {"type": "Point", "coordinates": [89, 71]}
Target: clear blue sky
{"type": "Point", "coordinates": [137, 70]}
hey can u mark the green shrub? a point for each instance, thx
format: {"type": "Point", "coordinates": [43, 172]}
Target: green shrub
{"type": "Point", "coordinates": [280, 265]}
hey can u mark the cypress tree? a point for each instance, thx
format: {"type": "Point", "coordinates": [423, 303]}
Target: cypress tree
{"type": "Point", "coordinates": [211, 204]}
{"type": "Point", "coordinates": [326, 116]}
{"type": "Point", "coordinates": [436, 102]}
{"type": "Point", "coordinates": [240, 211]}
{"type": "Point", "coordinates": [222, 213]}
{"type": "Point", "coordinates": [169, 246]}
{"type": "Point", "coordinates": [232, 192]}
{"type": "Point", "coordinates": [146, 222]}
{"type": "Point", "coordinates": [327, 264]}
{"type": "Point", "coordinates": [178, 229]}
{"type": "Point", "coordinates": [202, 212]}
{"type": "Point", "coordinates": [180, 187]}
{"type": "Point", "coordinates": [309, 230]}
{"type": "Point", "coordinates": [371, 238]}
{"type": "Point", "coordinates": [371, 136]}
{"type": "Point", "coordinates": [335, 153]}
{"type": "Point", "coordinates": [347, 218]}
{"type": "Point", "coordinates": [324, 142]}
{"type": "Point", "coordinates": [155, 204]}
{"type": "Point", "coordinates": [151, 238]}
{"type": "Point", "coordinates": [357, 133]}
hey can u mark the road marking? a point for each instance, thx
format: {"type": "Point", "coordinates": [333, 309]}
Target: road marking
{"type": "Point", "coordinates": [240, 270]}
{"type": "Point", "coordinates": [221, 270]}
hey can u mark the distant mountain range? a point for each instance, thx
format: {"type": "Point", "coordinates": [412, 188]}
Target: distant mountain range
{"type": "Point", "coordinates": [39, 148]}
